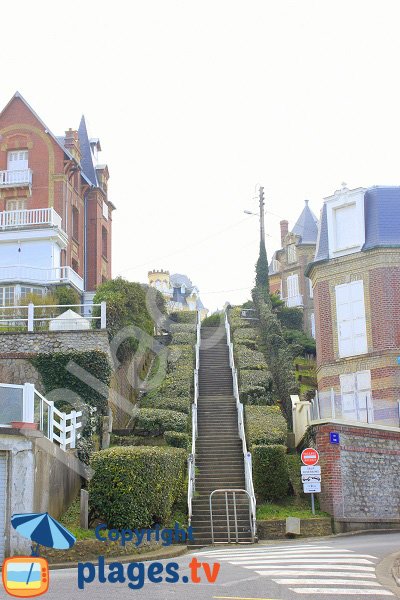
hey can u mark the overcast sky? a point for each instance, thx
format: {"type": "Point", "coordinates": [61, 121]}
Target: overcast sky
{"type": "Point", "coordinates": [197, 102]}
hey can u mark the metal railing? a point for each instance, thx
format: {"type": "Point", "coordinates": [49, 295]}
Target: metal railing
{"type": "Point", "coordinates": [18, 178]}
{"type": "Point", "coordinates": [41, 276]}
{"type": "Point", "coordinates": [34, 317]}
{"type": "Point", "coordinates": [246, 455]}
{"type": "Point", "coordinates": [228, 516]}
{"type": "Point", "coordinates": [10, 219]}
{"type": "Point", "coordinates": [360, 407]}
{"type": "Point", "coordinates": [192, 456]}
{"type": "Point", "coordinates": [23, 404]}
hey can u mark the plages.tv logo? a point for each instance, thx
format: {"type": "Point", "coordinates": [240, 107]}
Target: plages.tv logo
{"type": "Point", "coordinates": [28, 576]}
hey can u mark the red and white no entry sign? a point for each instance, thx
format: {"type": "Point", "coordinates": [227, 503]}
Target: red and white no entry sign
{"type": "Point", "coordinates": [309, 457]}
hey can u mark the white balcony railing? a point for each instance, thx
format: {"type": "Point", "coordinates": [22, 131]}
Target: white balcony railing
{"type": "Point", "coordinates": [53, 317]}
{"type": "Point", "coordinates": [39, 276]}
{"type": "Point", "coordinates": [11, 219]}
{"type": "Point", "coordinates": [294, 300]}
{"type": "Point", "coordinates": [21, 178]}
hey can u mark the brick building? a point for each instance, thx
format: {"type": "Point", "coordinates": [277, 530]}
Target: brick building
{"type": "Point", "coordinates": [55, 215]}
{"type": "Point", "coordinates": [356, 281]}
{"type": "Point", "coordinates": [287, 268]}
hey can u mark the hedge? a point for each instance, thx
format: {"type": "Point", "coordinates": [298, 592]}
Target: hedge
{"type": "Point", "coordinates": [183, 337]}
{"type": "Point", "coordinates": [245, 333]}
{"type": "Point", "coordinates": [236, 321]}
{"type": "Point", "coordinates": [176, 439]}
{"type": "Point", "coordinates": [294, 467]}
{"type": "Point", "coordinates": [250, 359]}
{"type": "Point", "coordinates": [179, 404]}
{"type": "Point", "coordinates": [182, 328]}
{"type": "Point", "coordinates": [265, 425]}
{"type": "Point", "coordinates": [154, 421]}
{"type": "Point", "coordinates": [215, 320]}
{"type": "Point", "coordinates": [270, 472]}
{"type": "Point", "coordinates": [187, 316]}
{"type": "Point", "coordinates": [180, 355]}
{"type": "Point", "coordinates": [135, 487]}
{"type": "Point", "coordinates": [256, 395]}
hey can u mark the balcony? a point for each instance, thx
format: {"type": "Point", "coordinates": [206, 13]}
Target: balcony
{"type": "Point", "coordinates": [22, 219]}
{"type": "Point", "coordinates": [294, 300]}
{"type": "Point", "coordinates": [39, 276]}
{"type": "Point", "coordinates": [16, 179]}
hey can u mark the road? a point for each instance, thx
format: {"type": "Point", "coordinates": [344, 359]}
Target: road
{"type": "Point", "coordinates": [337, 567]}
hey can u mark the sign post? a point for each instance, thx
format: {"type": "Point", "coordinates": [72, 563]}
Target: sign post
{"type": "Point", "coordinates": [311, 474]}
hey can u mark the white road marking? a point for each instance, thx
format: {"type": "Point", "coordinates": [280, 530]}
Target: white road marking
{"type": "Point", "coordinates": [287, 573]}
{"type": "Point", "coordinates": [348, 591]}
{"type": "Point", "coordinates": [312, 566]}
{"type": "Point", "coordinates": [326, 561]}
{"type": "Point", "coordinates": [326, 582]}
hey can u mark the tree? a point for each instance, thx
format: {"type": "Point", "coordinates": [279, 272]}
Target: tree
{"type": "Point", "coordinates": [262, 275]}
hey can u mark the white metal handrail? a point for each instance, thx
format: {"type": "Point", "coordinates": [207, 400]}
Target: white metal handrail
{"type": "Point", "coordinates": [246, 455]}
{"type": "Point", "coordinates": [27, 316]}
{"type": "Point", "coordinates": [19, 177]}
{"type": "Point", "coordinates": [41, 276]}
{"type": "Point", "coordinates": [55, 425]}
{"type": "Point", "coordinates": [192, 457]}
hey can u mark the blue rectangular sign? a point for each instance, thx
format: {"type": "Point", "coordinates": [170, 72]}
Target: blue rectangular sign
{"type": "Point", "coordinates": [334, 437]}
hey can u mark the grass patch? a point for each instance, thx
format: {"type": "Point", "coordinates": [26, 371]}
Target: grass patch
{"type": "Point", "coordinates": [289, 508]}
{"type": "Point", "coordinates": [71, 518]}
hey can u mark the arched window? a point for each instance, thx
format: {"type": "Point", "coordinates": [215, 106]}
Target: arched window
{"type": "Point", "coordinates": [104, 241]}
{"type": "Point", "coordinates": [75, 223]}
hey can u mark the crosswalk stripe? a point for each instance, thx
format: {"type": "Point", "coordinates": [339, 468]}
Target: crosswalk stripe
{"type": "Point", "coordinates": [311, 566]}
{"type": "Point", "coordinates": [287, 573]}
{"type": "Point", "coordinates": [326, 582]}
{"type": "Point", "coordinates": [264, 549]}
{"type": "Point", "coordinates": [326, 561]}
{"type": "Point", "coordinates": [337, 591]}
{"type": "Point", "coordinates": [297, 555]}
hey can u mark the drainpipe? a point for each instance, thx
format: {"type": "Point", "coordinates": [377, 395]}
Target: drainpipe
{"type": "Point", "coordinates": [85, 198]}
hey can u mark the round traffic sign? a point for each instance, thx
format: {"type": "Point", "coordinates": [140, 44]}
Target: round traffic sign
{"type": "Point", "coordinates": [309, 457]}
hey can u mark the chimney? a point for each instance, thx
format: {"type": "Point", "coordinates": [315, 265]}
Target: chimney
{"type": "Point", "coordinates": [284, 230]}
{"type": "Point", "coordinates": [71, 142]}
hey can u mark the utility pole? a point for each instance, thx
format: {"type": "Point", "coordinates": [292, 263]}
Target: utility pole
{"type": "Point", "coordinates": [262, 205]}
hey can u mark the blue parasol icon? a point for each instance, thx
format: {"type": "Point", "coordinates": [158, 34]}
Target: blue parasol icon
{"type": "Point", "coordinates": [44, 530]}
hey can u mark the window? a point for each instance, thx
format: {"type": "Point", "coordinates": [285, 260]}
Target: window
{"type": "Point", "coordinates": [17, 160]}
{"type": "Point", "coordinates": [75, 223]}
{"type": "Point", "coordinates": [16, 204]}
{"type": "Point", "coordinates": [350, 313]}
{"type": "Point", "coordinates": [75, 265]}
{"type": "Point", "coordinates": [312, 319]}
{"type": "Point", "coordinates": [104, 242]}
{"type": "Point", "coordinates": [7, 296]}
{"type": "Point", "coordinates": [291, 253]}
{"type": "Point", "coordinates": [292, 286]}
{"type": "Point", "coordinates": [105, 210]}
{"type": "Point", "coordinates": [310, 288]}
{"type": "Point", "coordinates": [356, 396]}
{"type": "Point", "coordinates": [275, 266]}
{"type": "Point", "coordinates": [345, 218]}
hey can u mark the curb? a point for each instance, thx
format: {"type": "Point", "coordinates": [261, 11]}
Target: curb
{"type": "Point", "coordinates": [387, 574]}
{"type": "Point", "coordinates": [156, 555]}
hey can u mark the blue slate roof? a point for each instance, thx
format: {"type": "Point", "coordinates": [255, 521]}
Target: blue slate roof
{"type": "Point", "coordinates": [87, 160]}
{"type": "Point", "coordinates": [306, 226]}
{"type": "Point", "coordinates": [382, 221]}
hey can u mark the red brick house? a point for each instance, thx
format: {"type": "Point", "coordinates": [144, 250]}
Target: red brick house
{"type": "Point", "coordinates": [356, 282]}
{"type": "Point", "coordinates": [55, 215]}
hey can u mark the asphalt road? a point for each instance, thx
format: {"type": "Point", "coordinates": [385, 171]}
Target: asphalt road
{"type": "Point", "coordinates": [340, 567]}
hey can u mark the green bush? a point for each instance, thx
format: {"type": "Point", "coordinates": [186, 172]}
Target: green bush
{"type": "Point", "coordinates": [66, 295]}
{"type": "Point", "coordinates": [215, 320]}
{"type": "Point", "coordinates": [256, 395]}
{"type": "Point", "coordinates": [270, 472]}
{"type": "Point", "coordinates": [184, 337]}
{"type": "Point", "coordinates": [178, 404]}
{"type": "Point", "coordinates": [290, 317]}
{"type": "Point", "coordinates": [251, 378]}
{"type": "Point", "coordinates": [301, 339]}
{"type": "Point", "coordinates": [294, 468]}
{"type": "Point", "coordinates": [176, 439]}
{"type": "Point", "coordinates": [135, 487]}
{"type": "Point", "coordinates": [265, 425]}
{"type": "Point", "coordinates": [154, 421]}
{"type": "Point", "coordinates": [182, 328]}
{"type": "Point", "coordinates": [236, 321]}
{"type": "Point", "coordinates": [250, 359]}
{"type": "Point", "coordinates": [184, 316]}
{"type": "Point", "coordinates": [180, 355]}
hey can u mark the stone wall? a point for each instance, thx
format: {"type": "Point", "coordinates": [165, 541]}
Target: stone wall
{"type": "Point", "coordinates": [276, 529]}
{"type": "Point", "coordinates": [19, 344]}
{"type": "Point", "coordinates": [360, 475]}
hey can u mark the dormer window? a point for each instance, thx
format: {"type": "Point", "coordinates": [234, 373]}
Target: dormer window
{"type": "Point", "coordinates": [346, 230]}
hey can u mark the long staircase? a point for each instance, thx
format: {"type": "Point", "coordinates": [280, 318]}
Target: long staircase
{"type": "Point", "coordinates": [219, 458]}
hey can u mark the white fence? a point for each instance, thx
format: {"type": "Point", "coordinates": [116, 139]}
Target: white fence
{"type": "Point", "coordinates": [246, 455]}
{"type": "Point", "coordinates": [40, 276]}
{"type": "Point", "coordinates": [191, 459]}
{"type": "Point", "coordinates": [23, 404]}
{"type": "Point", "coordinates": [17, 178]}
{"type": "Point", "coordinates": [34, 317]}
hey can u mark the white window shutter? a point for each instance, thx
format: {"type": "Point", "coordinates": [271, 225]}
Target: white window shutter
{"type": "Point", "coordinates": [347, 386]}
{"type": "Point", "coordinates": [351, 324]}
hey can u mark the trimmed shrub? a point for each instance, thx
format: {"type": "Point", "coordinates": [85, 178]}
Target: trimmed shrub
{"type": "Point", "coordinates": [236, 321]}
{"type": "Point", "coordinates": [265, 425]}
{"type": "Point", "coordinates": [270, 472]}
{"type": "Point", "coordinates": [250, 378]}
{"type": "Point", "coordinates": [178, 404]}
{"type": "Point", "coordinates": [136, 486]}
{"type": "Point", "coordinates": [215, 320]}
{"type": "Point", "coordinates": [154, 421]}
{"type": "Point", "coordinates": [182, 328]}
{"type": "Point", "coordinates": [180, 355]}
{"type": "Point", "coordinates": [184, 337]}
{"type": "Point", "coordinates": [184, 316]}
{"type": "Point", "coordinates": [294, 468]}
{"type": "Point", "coordinates": [290, 317]}
{"type": "Point", "coordinates": [176, 439]}
{"type": "Point", "coordinates": [256, 395]}
{"type": "Point", "coordinates": [305, 343]}
{"type": "Point", "coordinates": [250, 359]}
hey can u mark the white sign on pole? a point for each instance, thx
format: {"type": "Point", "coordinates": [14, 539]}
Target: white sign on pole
{"type": "Point", "coordinates": [312, 488]}
{"type": "Point", "coordinates": [314, 470]}
{"type": "Point", "coordinates": [311, 478]}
